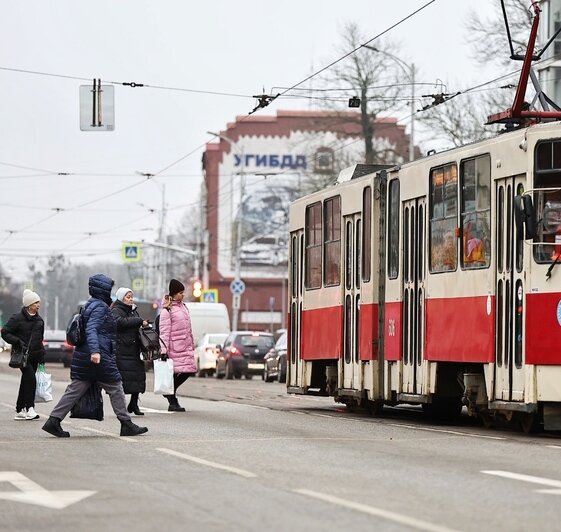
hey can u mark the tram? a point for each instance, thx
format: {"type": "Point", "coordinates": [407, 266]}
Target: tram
{"type": "Point", "coordinates": [437, 282]}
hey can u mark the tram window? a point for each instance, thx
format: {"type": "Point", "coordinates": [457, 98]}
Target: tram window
{"type": "Point", "coordinates": [519, 243]}
{"type": "Point", "coordinates": [313, 246]}
{"type": "Point", "coordinates": [547, 203]}
{"type": "Point", "coordinates": [475, 179]}
{"type": "Point", "coordinates": [366, 234]}
{"type": "Point", "coordinates": [332, 241]}
{"type": "Point", "coordinates": [443, 218]}
{"type": "Point", "coordinates": [393, 229]}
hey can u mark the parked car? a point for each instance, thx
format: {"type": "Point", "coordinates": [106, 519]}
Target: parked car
{"type": "Point", "coordinates": [275, 361]}
{"type": "Point", "coordinates": [206, 353]}
{"type": "Point", "coordinates": [243, 354]}
{"type": "Point", "coordinates": [56, 348]}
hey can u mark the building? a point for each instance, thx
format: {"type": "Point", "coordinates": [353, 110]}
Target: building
{"type": "Point", "coordinates": [256, 167]}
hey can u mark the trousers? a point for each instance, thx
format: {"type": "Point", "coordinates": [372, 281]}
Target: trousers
{"type": "Point", "coordinates": [27, 386]}
{"type": "Point", "coordinates": [77, 388]}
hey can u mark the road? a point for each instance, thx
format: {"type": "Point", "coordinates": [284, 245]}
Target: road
{"type": "Point", "coordinates": [246, 456]}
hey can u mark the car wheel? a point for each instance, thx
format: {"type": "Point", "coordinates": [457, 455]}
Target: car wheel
{"type": "Point", "coordinates": [282, 373]}
{"type": "Point", "coordinates": [218, 375]}
{"type": "Point", "coordinates": [229, 374]}
{"type": "Point", "coordinates": [266, 375]}
{"type": "Point", "coordinates": [248, 376]}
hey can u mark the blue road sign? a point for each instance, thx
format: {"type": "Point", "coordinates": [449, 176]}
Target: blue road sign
{"type": "Point", "coordinates": [237, 287]}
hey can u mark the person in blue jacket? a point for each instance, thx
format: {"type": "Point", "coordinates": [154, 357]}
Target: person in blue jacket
{"type": "Point", "coordinates": [94, 360]}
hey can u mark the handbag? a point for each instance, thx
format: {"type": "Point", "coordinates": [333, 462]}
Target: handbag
{"type": "Point", "coordinates": [44, 388]}
{"type": "Point", "coordinates": [149, 343]}
{"type": "Point", "coordinates": [163, 376]}
{"type": "Point", "coordinates": [18, 357]}
{"type": "Point", "coordinates": [90, 405]}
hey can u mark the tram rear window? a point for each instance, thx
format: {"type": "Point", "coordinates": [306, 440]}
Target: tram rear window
{"type": "Point", "coordinates": [313, 246]}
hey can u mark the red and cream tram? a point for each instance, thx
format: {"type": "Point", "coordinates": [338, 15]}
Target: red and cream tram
{"type": "Point", "coordinates": [436, 283]}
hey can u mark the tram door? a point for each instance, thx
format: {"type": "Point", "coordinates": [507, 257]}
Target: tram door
{"type": "Point", "coordinates": [414, 273]}
{"type": "Point", "coordinates": [351, 368]}
{"type": "Point", "coordinates": [509, 290]}
{"type": "Point", "coordinates": [294, 366]}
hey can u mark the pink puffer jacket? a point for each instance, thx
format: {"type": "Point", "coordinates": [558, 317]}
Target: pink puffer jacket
{"type": "Point", "coordinates": [176, 334]}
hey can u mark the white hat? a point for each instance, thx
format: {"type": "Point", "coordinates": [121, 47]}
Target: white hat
{"type": "Point", "coordinates": [122, 292]}
{"type": "Point", "coordinates": [30, 297]}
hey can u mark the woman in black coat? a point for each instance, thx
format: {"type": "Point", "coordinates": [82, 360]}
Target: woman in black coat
{"type": "Point", "coordinates": [25, 329]}
{"type": "Point", "coordinates": [130, 365]}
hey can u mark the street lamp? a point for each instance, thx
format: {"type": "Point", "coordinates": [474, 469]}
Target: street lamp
{"type": "Point", "coordinates": [410, 71]}
{"type": "Point", "coordinates": [236, 298]}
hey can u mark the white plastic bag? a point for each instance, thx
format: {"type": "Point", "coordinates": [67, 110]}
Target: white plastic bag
{"type": "Point", "coordinates": [163, 376]}
{"type": "Point", "coordinates": [44, 389]}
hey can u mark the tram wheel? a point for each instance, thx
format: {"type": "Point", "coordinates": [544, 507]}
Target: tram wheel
{"type": "Point", "coordinates": [374, 408]}
{"type": "Point", "coordinates": [445, 409]}
{"type": "Point", "coordinates": [530, 423]}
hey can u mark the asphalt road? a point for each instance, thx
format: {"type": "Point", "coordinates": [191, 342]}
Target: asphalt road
{"type": "Point", "coordinates": [245, 456]}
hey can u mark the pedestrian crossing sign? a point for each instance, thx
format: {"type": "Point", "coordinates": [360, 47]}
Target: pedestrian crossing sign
{"type": "Point", "coordinates": [209, 296]}
{"type": "Point", "coordinates": [131, 252]}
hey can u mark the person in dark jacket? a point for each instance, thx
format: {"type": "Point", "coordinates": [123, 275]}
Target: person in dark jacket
{"type": "Point", "coordinates": [94, 360]}
{"type": "Point", "coordinates": [130, 365]}
{"type": "Point", "coordinates": [25, 329]}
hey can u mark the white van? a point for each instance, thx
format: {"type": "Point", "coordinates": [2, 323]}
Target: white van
{"type": "Point", "coordinates": [208, 318]}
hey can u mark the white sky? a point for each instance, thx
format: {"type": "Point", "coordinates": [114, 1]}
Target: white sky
{"type": "Point", "coordinates": [237, 47]}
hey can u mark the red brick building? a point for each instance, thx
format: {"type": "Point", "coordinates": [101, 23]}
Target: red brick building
{"type": "Point", "coordinates": [262, 163]}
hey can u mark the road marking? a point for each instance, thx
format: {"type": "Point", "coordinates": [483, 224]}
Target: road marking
{"type": "Point", "coordinates": [377, 512]}
{"type": "Point", "coordinates": [32, 493]}
{"type": "Point", "coordinates": [112, 434]}
{"type": "Point", "coordinates": [454, 432]}
{"type": "Point", "coordinates": [529, 478]}
{"type": "Point", "coordinates": [235, 470]}
{"type": "Point", "coordinates": [154, 410]}
{"type": "Point", "coordinates": [554, 446]}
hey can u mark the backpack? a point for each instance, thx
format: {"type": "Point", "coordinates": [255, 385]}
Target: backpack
{"type": "Point", "coordinates": [149, 343]}
{"type": "Point", "coordinates": [75, 330]}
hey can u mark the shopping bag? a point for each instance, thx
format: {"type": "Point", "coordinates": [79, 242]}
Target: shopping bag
{"type": "Point", "coordinates": [44, 388]}
{"type": "Point", "coordinates": [90, 405]}
{"type": "Point", "coordinates": [163, 376]}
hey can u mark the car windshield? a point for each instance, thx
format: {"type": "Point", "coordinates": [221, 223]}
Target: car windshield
{"type": "Point", "coordinates": [257, 341]}
{"type": "Point", "coordinates": [217, 338]}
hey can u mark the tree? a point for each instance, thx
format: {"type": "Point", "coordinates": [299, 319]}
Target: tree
{"type": "Point", "coordinates": [373, 75]}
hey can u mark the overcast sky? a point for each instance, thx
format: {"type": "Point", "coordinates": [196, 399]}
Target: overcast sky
{"type": "Point", "coordinates": [235, 47]}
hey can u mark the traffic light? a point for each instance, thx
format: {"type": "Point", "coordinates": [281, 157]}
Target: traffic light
{"type": "Point", "coordinates": [197, 289]}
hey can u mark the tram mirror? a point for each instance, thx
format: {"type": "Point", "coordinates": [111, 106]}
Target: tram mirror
{"type": "Point", "coordinates": [519, 217]}
{"type": "Point", "coordinates": [530, 216]}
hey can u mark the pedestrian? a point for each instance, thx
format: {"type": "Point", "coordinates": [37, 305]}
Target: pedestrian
{"type": "Point", "coordinates": [24, 330]}
{"type": "Point", "coordinates": [94, 360]}
{"type": "Point", "coordinates": [129, 361]}
{"type": "Point", "coordinates": [177, 340]}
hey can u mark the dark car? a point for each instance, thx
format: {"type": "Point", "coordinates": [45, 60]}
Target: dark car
{"type": "Point", "coordinates": [243, 354]}
{"type": "Point", "coordinates": [275, 361]}
{"type": "Point", "coordinates": [56, 348]}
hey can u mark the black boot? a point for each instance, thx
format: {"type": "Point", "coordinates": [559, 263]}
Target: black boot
{"type": "Point", "coordinates": [133, 406]}
{"type": "Point", "coordinates": [52, 426]}
{"type": "Point", "coordinates": [128, 428]}
{"type": "Point", "coordinates": [174, 405]}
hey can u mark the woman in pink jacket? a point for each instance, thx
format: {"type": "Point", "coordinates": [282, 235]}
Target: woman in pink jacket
{"type": "Point", "coordinates": [177, 340]}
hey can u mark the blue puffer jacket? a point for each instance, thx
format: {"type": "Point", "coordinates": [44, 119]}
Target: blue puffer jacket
{"type": "Point", "coordinates": [100, 336]}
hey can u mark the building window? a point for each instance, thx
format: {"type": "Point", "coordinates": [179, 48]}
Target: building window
{"type": "Point", "coordinates": [323, 161]}
{"type": "Point", "coordinates": [475, 176]}
{"type": "Point", "coordinates": [313, 246]}
{"type": "Point", "coordinates": [332, 241]}
{"type": "Point", "coordinates": [366, 234]}
{"type": "Point", "coordinates": [443, 218]}
{"type": "Point", "coordinates": [393, 229]}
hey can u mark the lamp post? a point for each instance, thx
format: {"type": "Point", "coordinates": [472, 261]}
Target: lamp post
{"type": "Point", "coordinates": [410, 71]}
{"type": "Point", "coordinates": [239, 225]}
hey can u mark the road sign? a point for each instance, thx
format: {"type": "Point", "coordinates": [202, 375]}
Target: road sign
{"type": "Point", "coordinates": [138, 284]}
{"type": "Point", "coordinates": [237, 287]}
{"type": "Point", "coordinates": [131, 252]}
{"type": "Point", "coordinates": [210, 295]}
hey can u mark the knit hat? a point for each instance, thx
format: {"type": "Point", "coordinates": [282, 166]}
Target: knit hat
{"type": "Point", "coordinates": [30, 297]}
{"type": "Point", "coordinates": [122, 292]}
{"type": "Point", "coordinates": [175, 287]}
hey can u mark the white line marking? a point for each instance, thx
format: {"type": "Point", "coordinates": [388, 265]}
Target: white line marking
{"type": "Point", "coordinates": [154, 411]}
{"type": "Point", "coordinates": [112, 434]}
{"type": "Point", "coordinates": [454, 432]}
{"type": "Point", "coordinates": [526, 478]}
{"type": "Point", "coordinates": [377, 512]}
{"type": "Point", "coordinates": [554, 446]}
{"type": "Point", "coordinates": [235, 470]}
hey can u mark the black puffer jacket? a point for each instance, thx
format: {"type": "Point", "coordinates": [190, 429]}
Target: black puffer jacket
{"type": "Point", "coordinates": [24, 330]}
{"type": "Point", "coordinates": [129, 363]}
